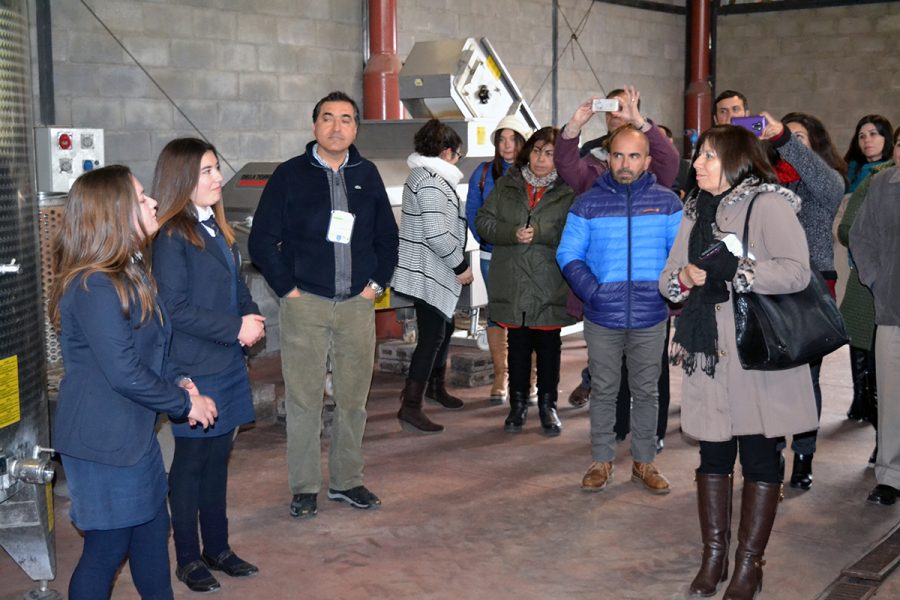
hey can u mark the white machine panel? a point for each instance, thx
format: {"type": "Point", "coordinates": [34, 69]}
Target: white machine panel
{"type": "Point", "coordinates": [64, 153]}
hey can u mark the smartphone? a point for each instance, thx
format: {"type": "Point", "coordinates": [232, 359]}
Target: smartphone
{"type": "Point", "coordinates": [755, 124]}
{"type": "Point", "coordinates": [605, 105]}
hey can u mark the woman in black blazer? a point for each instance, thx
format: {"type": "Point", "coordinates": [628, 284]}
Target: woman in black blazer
{"type": "Point", "coordinates": [114, 338]}
{"type": "Point", "coordinates": [197, 265]}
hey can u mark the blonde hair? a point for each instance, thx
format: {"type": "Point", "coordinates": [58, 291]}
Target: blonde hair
{"type": "Point", "coordinates": [98, 235]}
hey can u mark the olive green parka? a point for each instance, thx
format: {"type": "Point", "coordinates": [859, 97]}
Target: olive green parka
{"type": "Point", "coordinates": [525, 283]}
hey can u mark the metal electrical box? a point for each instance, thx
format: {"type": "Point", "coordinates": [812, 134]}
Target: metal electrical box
{"type": "Point", "coordinates": [64, 153]}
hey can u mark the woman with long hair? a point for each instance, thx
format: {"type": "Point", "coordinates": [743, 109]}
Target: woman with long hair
{"type": "Point", "coordinates": [197, 266]}
{"type": "Point", "coordinates": [524, 218]}
{"type": "Point", "coordinates": [871, 145]}
{"type": "Point", "coordinates": [808, 164]}
{"type": "Point", "coordinates": [432, 267]}
{"type": "Point", "coordinates": [730, 410]}
{"type": "Point", "coordinates": [114, 337]}
{"type": "Point", "coordinates": [508, 138]}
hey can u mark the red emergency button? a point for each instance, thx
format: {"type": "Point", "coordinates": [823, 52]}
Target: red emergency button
{"type": "Point", "coordinates": [65, 141]}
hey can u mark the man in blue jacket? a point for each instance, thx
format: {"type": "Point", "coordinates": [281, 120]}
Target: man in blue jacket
{"type": "Point", "coordinates": [325, 239]}
{"type": "Point", "coordinates": [613, 248]}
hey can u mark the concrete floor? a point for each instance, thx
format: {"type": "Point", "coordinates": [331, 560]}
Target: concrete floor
{"type": "Point", "coordinates": [477, 513]}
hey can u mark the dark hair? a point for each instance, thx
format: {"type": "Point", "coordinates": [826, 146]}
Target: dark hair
{"type": "Point", "coordinates": [740, 153]}
{"type": "Point", "coordinates": [434, 137]}
{"type": "Point", "coordinates": [174, 180]}
{"type": "Point", "coordinates": [667, 131]}
{"type": "Point", "coordinates": [819, 140]}
{"type": "Point", "coordinates": [336, 97]}
{"type": "Point", "coordinates": [620, 92]}
{"type": "Point", "coordinates": [98, 234]}
{"type": "Point", "coordinates": [497, 162]}
{"type": "Point", "coordinates": [730, 94]}
{"type": "Point", "coordinates": [547, 135]}
{"type": "Point", "coordinates": [883, 126]}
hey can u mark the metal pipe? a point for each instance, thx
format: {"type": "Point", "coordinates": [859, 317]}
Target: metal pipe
{"type": "Point", "coordinates": [554, 99]}
{"type": "Point", "coordinates": [381, 82]}
{"type": "Point", "coordinates": [698, 94]}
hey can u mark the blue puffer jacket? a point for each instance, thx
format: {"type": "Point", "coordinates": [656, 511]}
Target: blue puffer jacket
{"type": "Point", "coordinates": [614, 246]}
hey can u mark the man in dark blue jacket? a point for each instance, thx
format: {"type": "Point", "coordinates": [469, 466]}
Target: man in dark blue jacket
{"type": "Point", "coordinates": [613, 248]}
{"type": "Point", "coordinates": [325, 239]}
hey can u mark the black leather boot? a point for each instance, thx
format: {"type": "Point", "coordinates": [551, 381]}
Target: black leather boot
{"type": "Point", "coordinates": [714, 493]}
{"type": "Point", "coordinates": [759, 502]}
{"type": "Point", "coordinates": [550, 423]}
{"type": "Point", "coordinates": [411, 416]}
{"type": "Point", "coordinates": [858, 368]}
{"type": "Point", "coordinates": [801, 477]}
{"type": "Point", "coordinates": [518, 412]}
{"type": "Point", "coordinates": [437, 390]}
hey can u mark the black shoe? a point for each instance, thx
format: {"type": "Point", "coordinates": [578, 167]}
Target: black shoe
{"type": "Point", "coordinates": [873, 458]}
{"type": "Point", "coordinates": [660, 445]}
{"type": "Point", "coordinates": [197, 577]}
{"type": "Point", "coordinates": [304, 506]}
{"type": "Point", "coordinates": [518, 413]}
{"type": "Point", "coordinates": [801, 477]}
{"type": "Point", "coordinates": [781, 467]}
{"type": "Point", "coordinates": [229, 563]}
{"type": "Point", "coordinates": [620, 437]}
{"type": "Point", "coordinates": [358, 497]}
{"type": "Point", "coordinates": [550, 424]}
{"type": "Point", "coordinates": [884, 495]}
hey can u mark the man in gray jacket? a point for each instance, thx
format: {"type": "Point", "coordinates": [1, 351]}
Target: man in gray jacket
{"type": "Point", "coordinates": [875, 243]}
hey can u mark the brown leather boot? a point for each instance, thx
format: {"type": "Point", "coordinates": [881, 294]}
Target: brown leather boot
{"type": "Point", "coordinates": [496, 337]}
{"type": "Point", "coordinates": [714, 505]}
{"type": "Point", "coordinates": [437, 389]}
{"type": "Point", "coordinates": [759, 502]}
{"type": "Point", "coordinates": [411, 416]}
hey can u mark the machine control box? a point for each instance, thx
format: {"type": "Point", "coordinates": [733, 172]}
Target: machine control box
{"type": "Point", "coordinates": [64, 153]}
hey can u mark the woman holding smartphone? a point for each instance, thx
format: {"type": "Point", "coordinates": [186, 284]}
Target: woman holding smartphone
{"type": "Point", "coordinates": [524, 218]}
{"type": "Point", "coordinates": [114, 337]}
{"type": "Point", "coordinates": [197, 265]}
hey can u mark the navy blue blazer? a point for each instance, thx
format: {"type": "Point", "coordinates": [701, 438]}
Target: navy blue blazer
{"type": "Point", "coordinates": [113, 389]}
{"type": "Point", "coordinates": [195, 287]}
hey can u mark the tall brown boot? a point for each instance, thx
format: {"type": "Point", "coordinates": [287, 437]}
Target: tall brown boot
{"type": "Point", "coordinates": [759, 502]}
{"type": "Point", "coordinates": [437, 389]}
{"type": "Point", "coordinates": [496, 337]}
{"type": "Point", "coordinates": [411, 416]}
{"type": "Point", "coordinates": [714, 505]}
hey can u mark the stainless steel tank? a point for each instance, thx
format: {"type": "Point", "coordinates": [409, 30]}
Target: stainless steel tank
{"type": "Point", "coordinates": [26, 506]}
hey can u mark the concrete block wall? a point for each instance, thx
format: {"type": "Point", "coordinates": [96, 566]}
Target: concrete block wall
{"type": "Point", "coordinates": [245, 72]}
{"type": "Point", "coordinates": [838, 63]}
{"type": "Point", "coordinates": [248, 72]}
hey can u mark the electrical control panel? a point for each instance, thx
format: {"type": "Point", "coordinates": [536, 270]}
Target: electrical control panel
{"type": "Point", "coordinates": [64, 153]}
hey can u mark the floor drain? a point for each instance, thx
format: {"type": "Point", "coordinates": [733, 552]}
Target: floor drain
{"type": "Point", "coordinates": [879, 561]}
{"type": "Point", "coordinates": [845, 590]}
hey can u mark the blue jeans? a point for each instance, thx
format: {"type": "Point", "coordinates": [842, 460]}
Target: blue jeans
{"type": "Point", "coordinates": [485, 271]}
{"type": "Point", "coordinates": [146, 547]}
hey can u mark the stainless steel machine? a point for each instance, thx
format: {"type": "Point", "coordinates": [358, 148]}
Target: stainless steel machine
{"type": "Point", "coordinates": [460, 81]}
{"type": "Point", "coordinates": [26, 499]}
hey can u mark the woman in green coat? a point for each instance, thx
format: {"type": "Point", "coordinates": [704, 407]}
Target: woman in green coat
{"type": "Point", "coordinates": [523, 218]}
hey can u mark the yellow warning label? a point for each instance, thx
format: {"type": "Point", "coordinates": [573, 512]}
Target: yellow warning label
{"type": "Point", "coordinates": [480, 136]}
{"type": "Point", "coordinates": [493, 67]}
{"type": "Point", "coordinates": [385, 300]}
{"type": "Point", "coordinates": [9, 391]}
{"type": "Point", "coordinates": [49, 488]}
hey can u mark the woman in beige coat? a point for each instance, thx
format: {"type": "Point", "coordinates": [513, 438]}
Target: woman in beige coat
{"type": "Point", "coordinates": [725, 406]}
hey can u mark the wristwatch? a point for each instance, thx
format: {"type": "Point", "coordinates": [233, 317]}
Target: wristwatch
{"type": "Point", "coordinates": [375, 287]}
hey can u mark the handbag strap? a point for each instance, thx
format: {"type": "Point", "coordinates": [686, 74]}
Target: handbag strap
{"type": "Point", "coordinates": [747, 224]}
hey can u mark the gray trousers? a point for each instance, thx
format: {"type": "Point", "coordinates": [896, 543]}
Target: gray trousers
{"type": "Point", "coordinates": [310, 326]}
{"type": "Point", "coordinates": [887, 373]}
{"type": "Point", "coordinates": [642, 349]}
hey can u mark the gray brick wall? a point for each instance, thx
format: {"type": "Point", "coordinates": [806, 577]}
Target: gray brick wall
{"type": "Point", "coordinates": [837, 63]}
{"type": "Point", "coordinates": [247, 72]}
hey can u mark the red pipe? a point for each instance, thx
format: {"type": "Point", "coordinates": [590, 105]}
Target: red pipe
{"type": "Point", "coordinates": [381, 82]}
{"type": "Point", "coordinates": [698, 95]}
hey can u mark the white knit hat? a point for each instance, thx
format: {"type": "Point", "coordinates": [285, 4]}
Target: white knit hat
{"type": "Point", "coordinates": [511, 122]}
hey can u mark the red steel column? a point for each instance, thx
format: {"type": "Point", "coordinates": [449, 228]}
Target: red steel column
{"type": "Point", "coordinates": [381, 84]}
{"type": "Point", "coordinates": [698, 95]}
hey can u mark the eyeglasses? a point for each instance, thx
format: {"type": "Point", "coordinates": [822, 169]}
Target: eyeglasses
{"type": "Point", "coordinates": [457, 153]}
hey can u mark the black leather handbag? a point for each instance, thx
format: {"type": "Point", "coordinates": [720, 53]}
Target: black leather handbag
{"type": "Point", "coordinates": [782, 331]}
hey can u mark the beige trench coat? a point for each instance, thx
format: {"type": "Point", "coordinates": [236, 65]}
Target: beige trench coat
{"type": "Point", "coordinates": [738, 401]}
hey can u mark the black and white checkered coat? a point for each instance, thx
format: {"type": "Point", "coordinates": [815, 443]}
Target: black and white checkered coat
{"type": "Point", "coordinates": [432, 235]}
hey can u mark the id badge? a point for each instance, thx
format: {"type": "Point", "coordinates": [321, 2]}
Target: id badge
{"type": "Point", "coordinates": [340, 228]}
